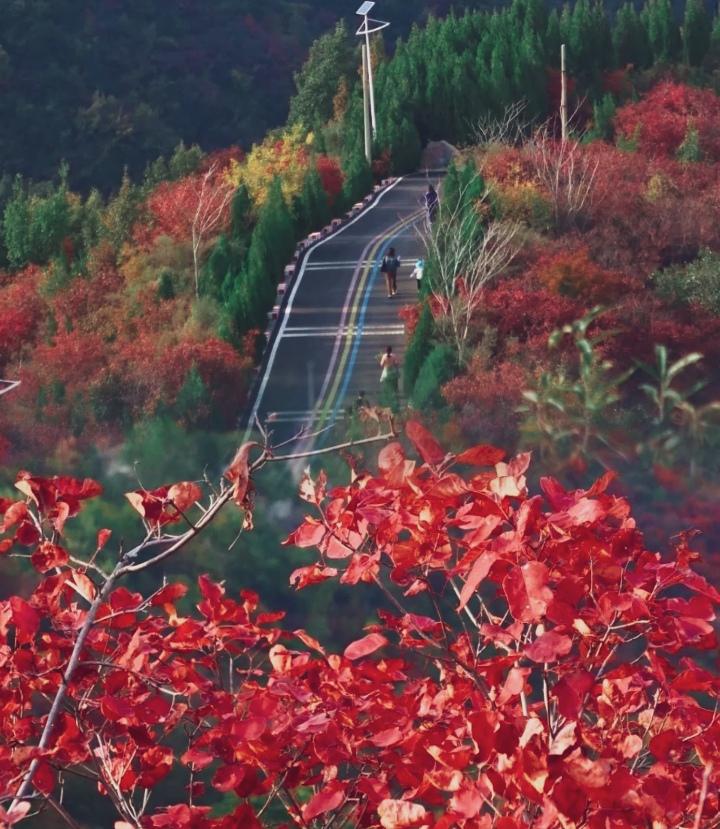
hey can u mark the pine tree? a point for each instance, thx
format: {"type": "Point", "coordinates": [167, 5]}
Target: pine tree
{"type": "Point", "coordinates": [695, 32]}
{"type": "Point", "coordinates": [553, 38]}
{"type": "Point", "coordinates": [276, 232]}
{"type": "Point", "coordinates": [312, 209]}
{"type": "Point", "coordinates": [241, 220]}
{"type": "Point", "coordinates": [662, 30]}
{"type": "Point", "coordinates": [332, 58]}
{"type": "Point", "coordinates": [630, 42]}
{"type": "Point", "coordinates": [419, 347]}
{"type": "Point", "coordinates": [358, 178]}
{"type": "Point", "coordinates": [603, 115]}
{"type": "Point", "coordinates": [16, 226]}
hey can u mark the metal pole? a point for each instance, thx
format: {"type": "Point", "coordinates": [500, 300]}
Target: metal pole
{"type": "Point", "coordinates": [366, 114]}
{"type": "Point", "coordinates": [563, 95]}
{"type": "Point", "coordinates": [371, 84]}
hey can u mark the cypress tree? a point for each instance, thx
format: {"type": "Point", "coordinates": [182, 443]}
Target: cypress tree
{"type": "Point", "coordinates": [695, 32]}
{"type": "Point", "coordinates": [313, 208]}
{"type": "Point", "coordinates": [419, 347]}
{"type": "Point", "coordinates": [662, 30]}
{"type": "Point", "coordinates": [630, 43]}
{"type": "Point", "coordinates": [16, 226]}
{"type": "Point", "coordinates": [553, 38]}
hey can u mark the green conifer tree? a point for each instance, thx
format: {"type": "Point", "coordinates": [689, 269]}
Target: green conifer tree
{"type": "Point", "coordinates": [662, 30]}
{"type": "Point", "coordinates": [629, 36]}
{"type": "Point", "coordinates": [332, 57]}
{"type": "Point", "coordinates": [696, 32]}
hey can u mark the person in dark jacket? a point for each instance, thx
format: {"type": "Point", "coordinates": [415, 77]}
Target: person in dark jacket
{"type": "Point", "coordinates": [390, 266]}
{"type": "Point", "coordinates": [432, 202]}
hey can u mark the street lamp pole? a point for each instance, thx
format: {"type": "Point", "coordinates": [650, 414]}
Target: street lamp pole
{"type": "Point", "coordinates": [366, 114]}
{"type": "Point", "coordinates": [368, 27]}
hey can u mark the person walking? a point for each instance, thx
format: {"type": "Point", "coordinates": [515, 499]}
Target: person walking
{"type": "Point", "coordinates": [390, 265]}
{"type": "Point", "coordinates": [417, 274]}
{"type": "Point", "coordinates": [389, 368]}
{"type": "Point", "coordinates": [432, 202]}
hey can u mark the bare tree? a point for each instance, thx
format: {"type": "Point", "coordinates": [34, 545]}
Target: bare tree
{"type": "Point", "coordinates": [465, 254]}
{"type": "Point", "coordinates": [214, 193]}
{"type": "Point", "coordinates": [512, 128]}
{"type": "Point", "coordinates": [566, 171]}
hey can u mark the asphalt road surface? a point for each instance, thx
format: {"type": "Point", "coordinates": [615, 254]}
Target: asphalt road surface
{"type": "Point", "coordinates": [338, 319]}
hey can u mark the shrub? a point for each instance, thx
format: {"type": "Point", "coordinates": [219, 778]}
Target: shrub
{"type": "Point", "coordinates": [695, 283]}
{"type": "Point", "coordinates": [439, 367]}
{"type": "Point", "coordinates": [573, 273]}
{"type": "Point", "coordinates": [662, 119]}
{"type": "Point", "coordinates": [419, 347]}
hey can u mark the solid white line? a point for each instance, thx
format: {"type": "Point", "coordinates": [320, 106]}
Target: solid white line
{"type": "Point", "coordinates": [288, 307]}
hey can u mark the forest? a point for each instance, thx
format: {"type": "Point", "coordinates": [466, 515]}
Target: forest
{"type": "Point", "coordinates": [493, 604]}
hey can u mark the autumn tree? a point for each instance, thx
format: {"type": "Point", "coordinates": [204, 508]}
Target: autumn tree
{"type": "Point", "coordinates": [533, 663]}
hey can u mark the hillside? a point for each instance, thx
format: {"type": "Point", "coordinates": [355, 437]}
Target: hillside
{"type": "Point", "coordinates": [106, 85]}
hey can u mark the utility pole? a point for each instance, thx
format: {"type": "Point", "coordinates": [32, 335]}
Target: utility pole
{"type": "Point", "coordinates": [368, 27]}
{"type": "Point", "coordinates": [366, 114]}
{"type": "Point", "coordinates": [563, 95]}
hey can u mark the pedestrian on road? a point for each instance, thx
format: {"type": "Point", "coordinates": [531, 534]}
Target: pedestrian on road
{"type": "Point", "coordinates": [418, 273]}
{"type": "Point", "coordinates": [432, 202]}
{"type": "Point", "coordinates": [390, 265]}
{"type": "Point", "coordinates": [389, 365]}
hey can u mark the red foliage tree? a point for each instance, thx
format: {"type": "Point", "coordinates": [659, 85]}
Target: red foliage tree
{"type": "Point", "coordinates": [535, 665]}
{"type": "Point", "coordinates": [20, 312]}
{"type": "Point", "coordinates": [331, 176]}
{"type": "Point", "coordinates": [661, 120]}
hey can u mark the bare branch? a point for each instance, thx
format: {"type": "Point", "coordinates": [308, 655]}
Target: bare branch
{"type": "Point", "coordinates": [466, 255]}
{"type": "Point", "coordinates": [512, 128]}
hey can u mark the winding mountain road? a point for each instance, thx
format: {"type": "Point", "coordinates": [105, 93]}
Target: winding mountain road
{"type": "Point", "coordinates": [338, 318]}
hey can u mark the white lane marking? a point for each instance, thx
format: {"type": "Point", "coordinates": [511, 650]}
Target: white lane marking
{"type": "Point", "coordinates": [345, 330]}
{"type": "Point", "coordinates": [291, 299]}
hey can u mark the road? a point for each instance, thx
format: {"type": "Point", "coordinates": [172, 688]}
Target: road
{"type": "Point", "coordinates": [338, 318]}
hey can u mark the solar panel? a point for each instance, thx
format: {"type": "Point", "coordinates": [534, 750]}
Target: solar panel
{"type": "Point", "coordinates": [365, 8]}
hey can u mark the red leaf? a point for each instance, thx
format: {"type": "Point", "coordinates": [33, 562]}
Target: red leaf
{"type": "Point", "coordinates": [103, 537]}
{"type": "Point", "coordinates": [479, 571]}
{"type": "Point", "coordinates": [400, 813]}
{"type": "Point", "coordinates": [329, 798]}
{"type": "Point", "coordinates": [228, 778]}
{"type": "Point", "coordinates": [315, 574]}
{"type": "Point", "coordinates": [25, 618]}
{"type": "Point", "coordinates": [467, 802]}
{"type": "Point", "coordinates": [184, 495]}
{"type": "Point", "coordinates": [514, 684]}
{"type": "Point", "coordinates": [390, 457]}
{"type": "Point", "coordinates": [169, 594]}
{"type": "Point", "coordinates": [564, 739]}
{"type": "Point", "coordinates": [527, 592]}
{"type": "Point", "coordinates": [428, 448]}
{"type": "Point", "coordinates": [481, 455]}
{"type": "Point", "coordinates": [365, 646]}
{"type": "Point", "coordinates": [549, 647]}
{"type": "Point", "coordinates": [14, 515]}
{"type": "Point", "coordinates": [388, 737]}
{"type": "Point", "coordinates": [44, 777]}
{"type": "Point", "coordinates": [238, 473]}
{"type": "Point", "coordinates": [48, 556]}
{"type": "Point", "coordinates": [309, 534]}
